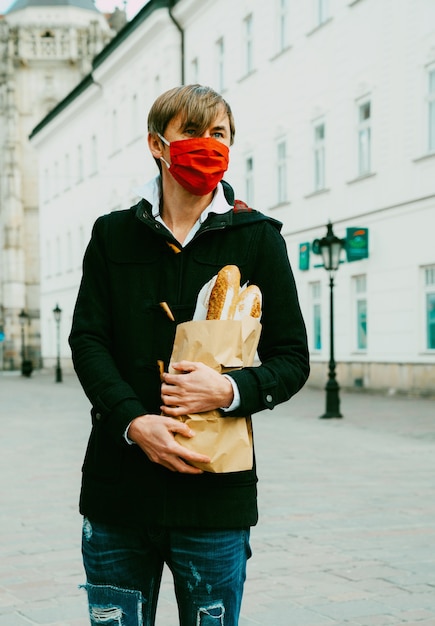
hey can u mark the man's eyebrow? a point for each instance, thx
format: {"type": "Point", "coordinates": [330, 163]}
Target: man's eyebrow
{"type": "Point", "coordinates": [224, 128]}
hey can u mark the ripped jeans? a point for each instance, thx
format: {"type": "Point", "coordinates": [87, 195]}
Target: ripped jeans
{"type": "Point", "coordinates": [124, 569]}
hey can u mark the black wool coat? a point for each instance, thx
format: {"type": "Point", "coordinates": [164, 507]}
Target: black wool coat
{"type": "Point", "coordinates": [119, 332]}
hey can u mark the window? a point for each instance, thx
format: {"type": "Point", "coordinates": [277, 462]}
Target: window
{"type": "Point", "coordinates": [94, 155]}
{"type": "Point", "coordinates": [48, 43]}
{"type": "Point", "coordinates": [283, 40]}
{"type": "Point", "coordinates": [431, 111]}
{"type": "Point", "coordinates": [82, 244]}
{"type": "Point", "coordinates": [220, 54]}
{"type": "Point", "coordinates": [361, 311]}
{"type": "Point", "coordinates": [79, 163]}
{"type": "Point", "coordinates": [56, 178]}
{"type": "Point", "coordinates": [316, 310]}
{"type": "Point", "coordinates": [364, 138]}
{"type": "Point", "coordinates": [319, 156]}
{"type": "Point", "coordinates": [58, 257]}
{"type": "Point", "coordinates": [321, 11]}
{"type": "Point", "coordinates": [194, 70]}
{"type": "Point", "coordinates": [67, 171]}
{"type": "Point", "coordinates": [48, 259]}
{"type": "Point", "coordinates": [282, 171]}
{"type": "Point", "coordinates": [249, 180]}
{"type": "Point", "coordinates": [115, 131]}
{"type": "Point", "coordinates": [134, 120]}
{"type": "Point", "coordinates": [429, 276]}
{"type": "Point", "coordinates": [45, 190]}
{"type": "Point", "coordinates": [157, 85]}
{"type": "Point", "coordinates": [249, 44]}
{"type": "Point", "coordinates": [69, 252]}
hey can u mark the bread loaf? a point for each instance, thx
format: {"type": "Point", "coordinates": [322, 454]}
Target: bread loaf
{"type": "Point", "coordinates": [224, 295]}
{"type": "Point", "coordinates": [249, 302]}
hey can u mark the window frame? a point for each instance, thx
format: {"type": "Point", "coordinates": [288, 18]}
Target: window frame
{"type": "Point", "coordinates": [248, 38]}
{"type": "Point", "coordinates": [249, 179]}
{"type": "Point", "coordinates": [80, 164]}
{"type": "Point", "coordinates": [321, 12]}
{"type": "Point", "coordinates": [282, 25]}
{"type": "Point", "coordinates": [316, 335]}
{"type": "Point", "coordinates": [319, 149]}
{"type": "Point", "coordinates": [364, 134]}
{"type": "Point", "coordinates": [67, 171]}
{"type": "Point", "coordinates": [360, 297]}
{"type": "Point", "coordinates": [220, 63]}
{"type": "Point", "coordinates": [94, 155]}
{"type": "Point", "coordinates": [134, 120]}
{"type": "Point", "coordinates": [430, 110]}
{"type": "Point", "coordinates": [194, 70]}
{"type": "Point", "coordinates": [281, 171]}
{"type": "Point", "coordinates": [428, 290]}
{"type": "Point", "coordinates": [115, 130]}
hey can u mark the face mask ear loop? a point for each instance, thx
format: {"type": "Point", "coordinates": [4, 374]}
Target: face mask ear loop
{"type": "Point", "coordinates": [168, 165]}
{"type": "Point", "coordinates": [163, 139]}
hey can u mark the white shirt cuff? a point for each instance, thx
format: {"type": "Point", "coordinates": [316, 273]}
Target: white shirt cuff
{"type": "Point", "coordinates": [128, 440]}
{"type": "Point", "coordinates": [236, 400]}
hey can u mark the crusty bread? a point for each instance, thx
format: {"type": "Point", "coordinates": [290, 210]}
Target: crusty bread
{"type": "Point", "coordinates": [249, 302]}
{"type": "Point", "coordinates": [223, 297]}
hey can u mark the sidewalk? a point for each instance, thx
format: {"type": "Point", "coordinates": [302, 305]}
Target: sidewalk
{"type": "Point", "coordinates": [347, 511]}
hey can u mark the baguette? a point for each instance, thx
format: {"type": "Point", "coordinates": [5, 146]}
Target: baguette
{"type": "Point", "coordinates": [224, 295]}
{"type": "Point", "coordinates": [249, 302]}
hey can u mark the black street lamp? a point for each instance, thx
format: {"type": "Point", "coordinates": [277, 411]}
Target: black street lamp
{"type": "Point", "coordinates": [26, 365]}
{"type": "Point", "coordinates": [57, 312]}
{"type": "Point", "coordinates": [330, 248]}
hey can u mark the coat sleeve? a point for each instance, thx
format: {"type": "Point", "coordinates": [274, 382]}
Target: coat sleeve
{"type": "Point", "coordinates": [283, 349]}
{"type": "Point", "coordinates": [114, 402]}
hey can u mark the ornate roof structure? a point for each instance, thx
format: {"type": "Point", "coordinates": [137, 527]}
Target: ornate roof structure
{"type": "Point", "coordinates": [24, 4]}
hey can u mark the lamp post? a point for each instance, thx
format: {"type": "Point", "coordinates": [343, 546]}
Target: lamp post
{"type": "Point", "coordinates": [330, 248]}
{"type": "Point", "coordinates": [26, 365]}
{"type": "Point", "coordinates": [57, 312]}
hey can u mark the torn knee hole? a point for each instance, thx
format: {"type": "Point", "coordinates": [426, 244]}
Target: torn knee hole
{"type": "Point", "coordinates": [211, 615]}
{"type": "Point", "coordinates": [102, 614]}
{"type": "Point", "coordinates": [109, 605]}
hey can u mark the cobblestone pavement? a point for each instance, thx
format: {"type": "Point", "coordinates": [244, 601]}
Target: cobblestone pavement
{"type": "Point", "coordinates": [347, 524]}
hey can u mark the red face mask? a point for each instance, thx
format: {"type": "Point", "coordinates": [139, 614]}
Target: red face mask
{"type": "Point", "coordinates": [197, 164]}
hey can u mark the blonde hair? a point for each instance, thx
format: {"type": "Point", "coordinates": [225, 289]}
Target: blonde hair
{"type": "Point", "coordinates": [196, 104]}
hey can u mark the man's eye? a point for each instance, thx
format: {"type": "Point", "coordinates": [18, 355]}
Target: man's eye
{"type": "Point", "coordinates": [218, 135]}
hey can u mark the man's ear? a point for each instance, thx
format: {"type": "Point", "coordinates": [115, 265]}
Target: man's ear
{"type": "Point", "coordinates": [155, 145]}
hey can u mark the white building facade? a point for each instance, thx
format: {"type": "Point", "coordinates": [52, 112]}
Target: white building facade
{"type": "Point", "coordinates": [46, 48]}
{"type": "Point", "coordinates": [334, 104]}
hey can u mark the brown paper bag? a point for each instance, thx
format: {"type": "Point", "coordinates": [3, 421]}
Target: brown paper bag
{"type": "Point", "coordinates": [223, 345]}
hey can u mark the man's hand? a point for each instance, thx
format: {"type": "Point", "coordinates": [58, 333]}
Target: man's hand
{"type": "Point", "coordinates": [154, 434]}
{"type": "Point", "coordinates": [199, 388]}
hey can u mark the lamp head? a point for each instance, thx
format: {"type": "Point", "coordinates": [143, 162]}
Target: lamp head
{"type": "Point", "coordinates": [57, 312]}
{"type": "Point", "coordinates": [23, 316]}
{"type": "Point", "coordinates": [330, 249]}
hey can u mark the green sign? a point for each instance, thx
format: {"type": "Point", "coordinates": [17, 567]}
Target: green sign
{"type": "Point", "coordinates": [304, 256]}
{"type": "Point", "coordinates": [357, 244]}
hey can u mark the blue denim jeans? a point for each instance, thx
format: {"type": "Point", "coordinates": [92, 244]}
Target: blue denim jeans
{"type": "Point", "coordinates": [124, 569]}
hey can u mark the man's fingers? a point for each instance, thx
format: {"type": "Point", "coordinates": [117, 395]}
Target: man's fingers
{"type": "Point", "coordinates": [188, 455]}
{"type": "Point", "coordinates": [155, 436]}
{"type": "Point", "coordinates": [175, 411]}
{"type": "Point", "coordinates": [180, 466]}
{"type": "Point", "coordinates": [185, 366]}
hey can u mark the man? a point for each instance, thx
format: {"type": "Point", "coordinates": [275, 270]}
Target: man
{"type": "Point", "coordinates": [143, 502]}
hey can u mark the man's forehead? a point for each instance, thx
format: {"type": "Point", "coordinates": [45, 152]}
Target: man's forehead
{"type": "Point", "coordinates": [220, 120]}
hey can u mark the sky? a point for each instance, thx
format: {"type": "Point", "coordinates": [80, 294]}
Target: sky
{"type": "Point", "coordinates": [133, 6]}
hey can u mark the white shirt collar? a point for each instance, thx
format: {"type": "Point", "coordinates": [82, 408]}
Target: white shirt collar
{"type": "Point", "coordinates": [151, 192]}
